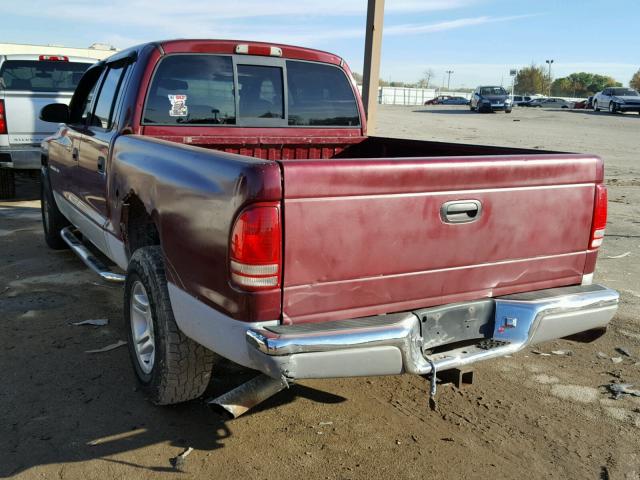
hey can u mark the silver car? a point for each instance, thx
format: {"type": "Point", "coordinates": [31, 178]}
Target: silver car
{"type": "Point", "coordinates": [28, 83]}
{"type": "Point", "coordinates": [617, 99]}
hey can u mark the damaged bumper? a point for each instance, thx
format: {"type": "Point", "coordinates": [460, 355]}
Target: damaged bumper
{"type": "Point", "coordinates": [445, 337]}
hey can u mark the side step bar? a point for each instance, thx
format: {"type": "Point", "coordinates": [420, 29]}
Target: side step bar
{"type": "Point", "coordinates": [88, 258]}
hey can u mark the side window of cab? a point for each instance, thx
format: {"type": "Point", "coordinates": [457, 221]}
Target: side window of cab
{"type": "Point", "coordinates": [82, 101]}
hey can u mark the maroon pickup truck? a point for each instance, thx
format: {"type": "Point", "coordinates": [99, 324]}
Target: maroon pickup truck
{"type": "Point", "coordinates": [236, 186]}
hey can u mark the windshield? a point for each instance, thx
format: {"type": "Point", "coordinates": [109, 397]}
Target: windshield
{"type": "Point", "coordinates": [492, 91]}
{"type": "Point", "coordinates": [41, 75]}
{"type": "Point", "coordinates": [624, 92]}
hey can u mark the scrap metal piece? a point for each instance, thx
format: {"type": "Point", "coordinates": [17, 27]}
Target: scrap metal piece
{"type": "Point", "coordinates": [457, 377]}
{"type": "Point", "coordinates": [108, 348]}
{"type": "Point", "coordinates": [432, 390]}
{"type": "Point", "coordinates": [249, 394]}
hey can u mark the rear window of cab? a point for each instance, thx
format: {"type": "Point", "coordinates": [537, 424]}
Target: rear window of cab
{"type": "Point", "coordinates": [205, 89]}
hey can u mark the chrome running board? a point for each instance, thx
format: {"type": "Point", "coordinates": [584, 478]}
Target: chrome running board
{"type": "Point", "coordinates": [89, 258]}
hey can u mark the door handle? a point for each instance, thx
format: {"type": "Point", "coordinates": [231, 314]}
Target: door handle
{"type": "Point", "coordinates": [74, 154]}
{"type": "Point", "coordinates": [101, 163]}
{"type": "Point", "coordinates": [461, 211]}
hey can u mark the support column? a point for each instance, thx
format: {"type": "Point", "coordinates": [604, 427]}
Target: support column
{"type": "Point", "coordinates": [371, 73]}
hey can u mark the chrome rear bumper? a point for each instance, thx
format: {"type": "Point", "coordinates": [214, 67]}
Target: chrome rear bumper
{"type": "Point", "coordinates": [396, 343]}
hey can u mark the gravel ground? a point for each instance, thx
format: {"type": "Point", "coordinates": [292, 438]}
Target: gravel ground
{"type": "Point", "coordinates": [68, 414]}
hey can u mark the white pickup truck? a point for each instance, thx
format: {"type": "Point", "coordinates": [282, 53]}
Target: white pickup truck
{"type": "Point", "coordinates": [28, 83]}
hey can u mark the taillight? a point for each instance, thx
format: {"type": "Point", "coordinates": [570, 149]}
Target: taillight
{"type": "Point", "coordinates": [599, 217]}
{"type": "Point", "coordinates": [53, 58]}
{"type": "Point", "coordinates": [255, 251]}
{"type": "Point", "coordinates": [3, 119]}
{"type": "Point", "coordinates": [266, 50]}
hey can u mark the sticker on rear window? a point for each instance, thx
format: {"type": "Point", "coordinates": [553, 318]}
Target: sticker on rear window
{"type": "Point", "coordinates": [178, 105]}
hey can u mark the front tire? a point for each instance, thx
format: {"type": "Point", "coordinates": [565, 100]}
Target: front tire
{"type": "Point", "coordinates": [613, 107]}
{"type": "Point", "coordinates": [7, 183]}
{"type": "Point", "coordinates": [595, 107]}
{"type": "Point", "coordinates": [170, 367]}
{"type": "Point", "coordinates": [52, 219]}
{"type": "Point", "coordinates": [507, 111]}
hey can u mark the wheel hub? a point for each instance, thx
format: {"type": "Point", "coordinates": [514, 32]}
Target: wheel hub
{"type": "Point", "coordinates": [142, 328]}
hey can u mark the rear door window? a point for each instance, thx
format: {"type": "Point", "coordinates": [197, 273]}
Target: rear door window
{"type": "Point", "coordinates": [41, 75]}
{"type": "Point", "coordinates": [192, 89]}
{"type": "Point", "coordinates": [320, 95]}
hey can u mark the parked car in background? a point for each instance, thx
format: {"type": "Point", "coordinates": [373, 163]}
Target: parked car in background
{"type": "Point", "coordinates": [287, 240]}
{"type": "Point", "coordinates": [519, 100]}
{"type": "Point", "coordinates": [437, 100]}
{"type": "Point", "coordinates": [617, 99]}
{"type": "Point", "coordinates": [28, 83]}
{"type": "Point", "coordinates": [490, 99]}
{"type": "Point", "coordinates": [580, 105]}
{"type": "Point", "coordinates": [590, 102]}
{"type": "Point", "coordinates": [548, 103]}
{"type": "Point", "coordinates": [455, 101]}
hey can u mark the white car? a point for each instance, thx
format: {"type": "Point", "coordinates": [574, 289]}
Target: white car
{"type": "Point", "coordinates": [617, 99]}
{"type": "Point", "coordinates": [28, 83]}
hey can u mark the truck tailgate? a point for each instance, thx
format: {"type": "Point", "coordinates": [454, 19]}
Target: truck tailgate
{"type": "Point", "coordinates": [367, 236]}
{"type": "Point", "coordinates": [23, 115]}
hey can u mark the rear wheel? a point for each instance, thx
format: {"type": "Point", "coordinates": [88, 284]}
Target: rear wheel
{"type": "Point", "coordinates": [52, 220]}
{"type": "Point", "coordinates": [7, 183]}
{"type": "Point", "coordinates": [170, 367]}
{"type": "Point", "coordinates": [507, 110]}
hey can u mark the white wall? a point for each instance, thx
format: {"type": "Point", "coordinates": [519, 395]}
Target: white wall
{"type": "Point", "coordinates": [15, 48]}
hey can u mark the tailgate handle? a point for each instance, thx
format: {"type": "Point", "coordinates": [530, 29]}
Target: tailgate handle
{"type": "Point", "coordinates": [461, 211]}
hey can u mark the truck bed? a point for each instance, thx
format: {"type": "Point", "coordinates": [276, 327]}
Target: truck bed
{"type": "Point", "coordinates": [364, 232]}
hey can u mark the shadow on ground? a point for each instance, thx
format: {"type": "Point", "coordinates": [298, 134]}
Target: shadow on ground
{"type": "Point", "coordinates": [61, 405]}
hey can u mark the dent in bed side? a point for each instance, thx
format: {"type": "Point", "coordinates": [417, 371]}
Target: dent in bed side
{"type": "Point", "coordinates": [192, 197]}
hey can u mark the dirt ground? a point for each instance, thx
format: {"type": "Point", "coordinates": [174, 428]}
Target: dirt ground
{"type": "Point", "coordinates": [65, 413]}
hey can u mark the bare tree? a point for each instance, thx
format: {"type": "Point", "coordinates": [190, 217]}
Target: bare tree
{"type": "Point", "coordinates": [426, 78]}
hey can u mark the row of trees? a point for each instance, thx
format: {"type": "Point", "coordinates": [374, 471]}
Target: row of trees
{"type": "Point", "coordinates": [535, 79]}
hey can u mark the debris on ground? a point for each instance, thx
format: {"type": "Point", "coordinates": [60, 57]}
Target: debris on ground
{"type": "Point", "coordinates": [623, 351]}
{"type": "Point", "coordinates": [602, 355]}
{"type": "Point", "coordinates": [616, 359]}
{"type": "Point", "coordinates": [179, 461]}
{"type": "Point", "coordinates": [325, 423]}
{"type": "Point", "coordinates": [108, 348]}
{"type": "Point", "coordinates": [98, 322]}
{"type": "Point", "coordinates": [566, 353]}
{"type": "Point", "coordinates": [622, 255]}
{"type": "Point", "coordinates": [542, 354]}
{"type": "Point", "coordinates": [619, 389]}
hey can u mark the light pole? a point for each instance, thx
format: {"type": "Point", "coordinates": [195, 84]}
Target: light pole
{"type": "Point", "coordinates": [449, 72]}
{"type": "Point", "coordinates": [549, 62]}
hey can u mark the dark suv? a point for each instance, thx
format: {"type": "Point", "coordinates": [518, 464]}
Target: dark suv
{"type": "Point", "coordinates": [489, 99]}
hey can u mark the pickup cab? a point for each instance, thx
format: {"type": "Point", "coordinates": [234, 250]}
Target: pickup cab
{"type": "Point", "coordinates": [232, 187]}
{"type": "Point", "coordinates": [28, 83]}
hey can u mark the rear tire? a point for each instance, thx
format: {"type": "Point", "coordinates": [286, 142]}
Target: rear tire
{"type": "Point", "coordinates": [507, 111]}
{"type": "Point", "coordinates": [170, 367]}
{"type": "Point", "coordinates": [7, 183]}
{"type": "Point", "coordinates": [52, 220]}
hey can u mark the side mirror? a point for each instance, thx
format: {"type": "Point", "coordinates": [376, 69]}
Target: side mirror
{"type": "Point", "coordinates": [55, 113]}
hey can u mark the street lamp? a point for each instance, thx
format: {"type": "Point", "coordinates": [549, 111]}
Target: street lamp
{"type": "Point", "coordinates": [549, 62]}
{"type": "Point", "coordinates": [449, 72]}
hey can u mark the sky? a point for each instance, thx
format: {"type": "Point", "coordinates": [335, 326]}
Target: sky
{"type": "Point", "coordinates": [479, 40]}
